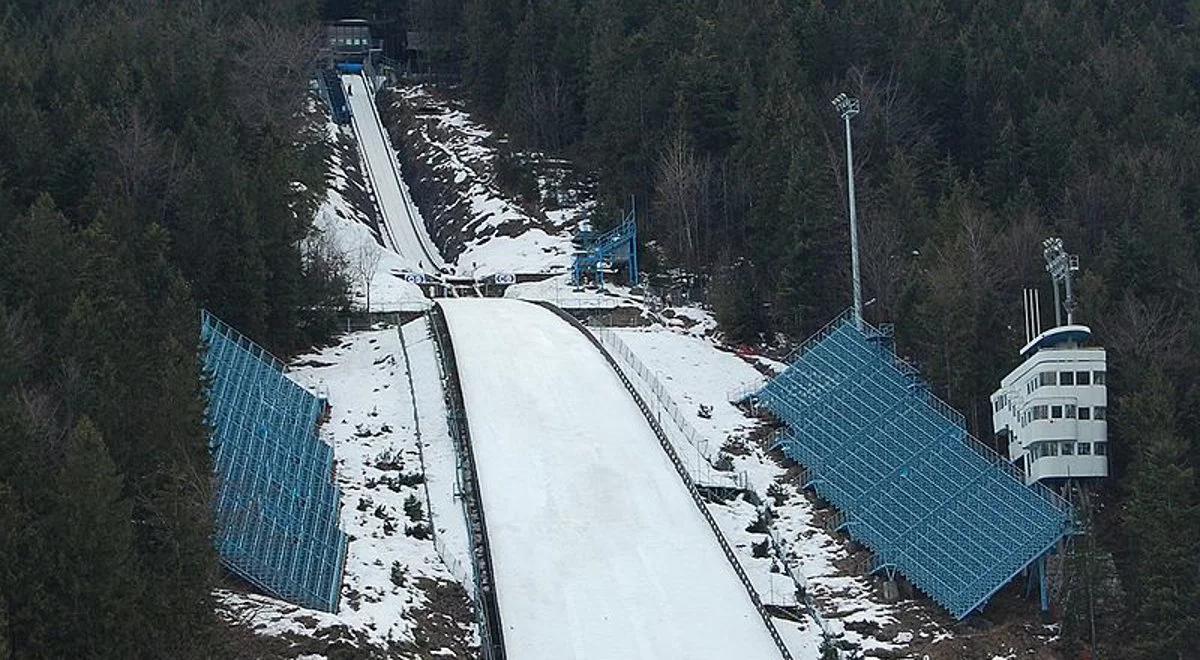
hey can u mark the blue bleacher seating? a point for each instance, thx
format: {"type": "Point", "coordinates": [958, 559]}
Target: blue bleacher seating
{"type": "Point", "coordinates": [932, 502]}
{"type": "Point", "coordinates": [277, 508]}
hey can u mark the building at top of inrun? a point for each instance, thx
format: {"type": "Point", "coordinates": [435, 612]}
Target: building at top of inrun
{"type": "Point", "coordinates": [1052, 410]}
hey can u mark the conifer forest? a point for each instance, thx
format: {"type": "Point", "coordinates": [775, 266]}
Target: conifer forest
{"type": "Point", "coordinates": [142, 180]}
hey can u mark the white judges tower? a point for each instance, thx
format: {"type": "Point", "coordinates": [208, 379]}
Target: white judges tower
{"type": "Point", "coordinates": [1052, 409]}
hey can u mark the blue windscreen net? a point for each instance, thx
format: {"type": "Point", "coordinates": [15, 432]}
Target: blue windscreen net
{"type": "Point", "coordinates": [932, 502]}
{"type": "Point", "coordinates": [276, 505]}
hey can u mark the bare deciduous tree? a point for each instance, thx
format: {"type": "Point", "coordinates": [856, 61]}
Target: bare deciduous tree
{"type": "Point", "coordinates": [273, 64]}
{"type": "Point", "coordinates": [366, 263]}
{"type": "Point", "coordinates": [683, 195]}
{"type": "Point", "coordinates": [1144, 332]}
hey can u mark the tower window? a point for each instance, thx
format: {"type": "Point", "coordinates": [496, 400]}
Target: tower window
{"type": "Point", "coordinates": [1101, 448]}
{"type": "Point", "coordinates": [1068, 448]}
{"type": "Point", "coordinates": [1056, 412]}
{"type": "Point", "coordinates": [1048, 378]}
{"type": "Point", "coordinates": [1101, 413]}
{"type": "Point", "coordinates": [1066, 378]}
{"type": "Point", "coordinates": [1083, 378]}
{"type": "Point", "coordinates": [1085, 449]}
{"type": "Point", "coordinates": [1085, 413]}
{"type": "Point", "coordinates": [1071, 408]}
{"type": "Point", "coordinates": [1099, 377]}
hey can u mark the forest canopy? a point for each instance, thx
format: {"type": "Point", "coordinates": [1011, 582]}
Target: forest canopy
{"type": "Point", "coordinates": [147, 171]}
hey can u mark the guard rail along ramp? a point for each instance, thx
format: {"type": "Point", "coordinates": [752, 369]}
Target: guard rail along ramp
{"type": "Point", "coordinates": [401, 229]}
{"type": "Point", "coordinates": [487, 610]}
{"type": "Point", "coordinates": [277, 508]}
{"type": "Point", "coordinates": [598, 548]}
{"type": "Point", "coordinates": [932, 502]}
{"type": "Point", "coordinates": [707, 474]}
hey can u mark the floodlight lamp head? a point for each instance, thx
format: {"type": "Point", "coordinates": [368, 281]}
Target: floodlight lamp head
{"type": "Point", "coordinates": [847, 106]}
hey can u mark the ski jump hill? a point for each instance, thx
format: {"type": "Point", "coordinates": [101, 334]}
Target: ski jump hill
{"type": "Point", "coordinates": [401, 227]}
{"type": "Point", "coordinates": [598, 549]}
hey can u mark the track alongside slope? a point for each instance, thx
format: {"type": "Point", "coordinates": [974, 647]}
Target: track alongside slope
{"type": "Point", "coordinates": [598, 549]}
{"type": "Point", "coordinates": [402, 229]}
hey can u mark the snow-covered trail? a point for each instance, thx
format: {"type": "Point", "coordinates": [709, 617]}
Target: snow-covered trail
{"type": "Point", "coordinates": [403, 229]}
{"type": "Point", "coordinates": [599, 551]}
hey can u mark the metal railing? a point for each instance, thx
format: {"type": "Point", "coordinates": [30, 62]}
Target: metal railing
{"type": "Point", "coordinates": [631, 364]}
{"type": "Point", "coordinates": [682, 470]}
{"type": "Point", "coordinates": [664, 405]}
{"type": "Point", "coordinates": [488, 613]}
{"type": "Point", "coordinates": [452, 563]}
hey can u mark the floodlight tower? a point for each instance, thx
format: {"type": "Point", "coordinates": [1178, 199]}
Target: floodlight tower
{"type": "Point", "coordinates": [847, 106]}
{"type": "Point", "coordinates": [1062, 267]}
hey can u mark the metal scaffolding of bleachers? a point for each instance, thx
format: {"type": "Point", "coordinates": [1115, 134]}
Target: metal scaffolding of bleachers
{"type": "Point", "coordinates": [277, 508]}
{"type": "Point", "coordinates": [932, 502]}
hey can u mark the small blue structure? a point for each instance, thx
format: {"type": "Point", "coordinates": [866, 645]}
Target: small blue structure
{"type": "Point", "coordinates": [277, 508]}
{"type": "Point", "coordinates": [932, 502]}
{"type": "Point", "coordinates": [596, 254]}
{"type": "Point", "coordinates": [334, 95]}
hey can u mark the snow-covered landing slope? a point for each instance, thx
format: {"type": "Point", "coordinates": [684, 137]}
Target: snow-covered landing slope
{"type": "Point", "coordinates": [403, 228]}
{"type": "Point", "coordinates": [599, 551]}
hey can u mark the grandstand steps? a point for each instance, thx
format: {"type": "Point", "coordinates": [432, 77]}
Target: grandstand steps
{"type": "Point", "coordinates": [910, 484]}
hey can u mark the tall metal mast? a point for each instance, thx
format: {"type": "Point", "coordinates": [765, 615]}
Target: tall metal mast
{"type": "Point", "coordinates": [1062, 267]}
{"type": "Point", "coordinates": [848, 107]}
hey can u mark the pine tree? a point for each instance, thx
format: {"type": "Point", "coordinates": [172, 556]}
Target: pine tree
{"type": "Point", "coordinates": [1161, 527]}
{"type": "Point", "coordinates": [92, 571]}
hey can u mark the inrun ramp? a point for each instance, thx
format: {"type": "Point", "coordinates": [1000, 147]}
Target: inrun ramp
{"type": "Point", "coordinates": [277, 508]}
{"type": "Point", "coordinates": [933, 503]}
{"type": "Point", "coordinates": [598, 550]}
{"type": "Point", "coordinates": [401, 225]}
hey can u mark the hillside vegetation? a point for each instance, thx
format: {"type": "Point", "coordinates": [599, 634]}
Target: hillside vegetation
{"type": "Point", "coordinates": [985, 127]}
{"type": "Point", "coordinates": [147, 170]}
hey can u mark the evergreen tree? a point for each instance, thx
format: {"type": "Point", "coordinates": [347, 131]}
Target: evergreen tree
{"type": "Point", "coordinates": [1161, 527]}
{"type": "Point", "coordinates": [90, 570]}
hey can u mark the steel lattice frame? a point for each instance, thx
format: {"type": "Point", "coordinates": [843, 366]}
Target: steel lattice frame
{"type": "Point", "coordinates": [277, 508]}
{"type": "Point", "coordinates": [932, 502]}
{"type": "Point", "coordinates": [617, 244]}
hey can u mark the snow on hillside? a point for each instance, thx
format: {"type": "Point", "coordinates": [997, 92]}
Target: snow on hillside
{"type": "Point", "coordinates": [399, 598]}
{"type": "Point", "coordinates": [451, 163]}
{"type": "Point", "coordinates": [348, 222]}
{"type": "Point", "coordinates": [696, 372]}
{"type": "Point", "coordinates": [559, 290]}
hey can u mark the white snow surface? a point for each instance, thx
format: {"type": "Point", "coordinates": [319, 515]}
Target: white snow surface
{"type": "Point", "coordinates": [372, 431]}
{"type": "Point", "coordinates": [559, 291]}
{"type": "Point", "coordinates": [695, 370]}
{"type": "Point", "coordinates": [390, 292]}
{"type": "Point", "coordinates": [599, 550]}
{"type": "Point", "coordinates": [404, 229]}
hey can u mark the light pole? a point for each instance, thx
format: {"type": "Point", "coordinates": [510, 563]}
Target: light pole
{"type": "Point", "coordinates": [848, 107]}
